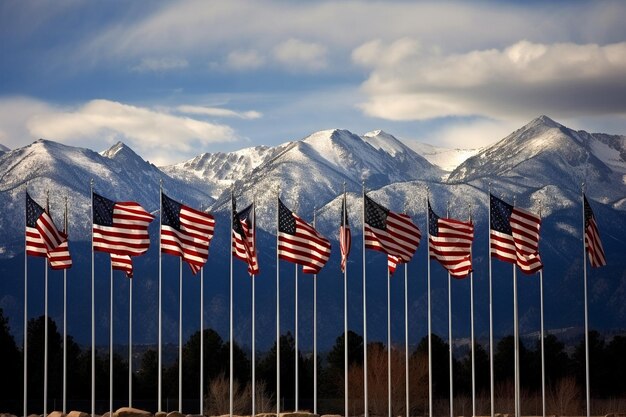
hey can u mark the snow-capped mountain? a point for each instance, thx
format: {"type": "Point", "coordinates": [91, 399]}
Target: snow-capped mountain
{"type": "Point", "coordinates": [215, 172]}
{"type": "Point", "coordinates": [545, 152]}
{"type": "Point", "coordinates": [3, 148]}
{"type": "Point", "coordinates": [445, 158]}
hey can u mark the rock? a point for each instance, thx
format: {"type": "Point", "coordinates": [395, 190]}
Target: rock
{"type": "Point", "coordinates": [132, 412]}
{"type": "Point", "coordinates": [77, 414]}
{"type": "Point", "coordinates": [332, 415]}
{"type": "Point", "coordinates": [56, 414]}
{"type": "Point", "coordinates": [175, 414]}
{"type": "Point", "coordinates": [160, 414]}
{"type": "Point", "coordinates": [7, 415]}
{"type": "Point", "coordinates": [34, 415]}
{"type": "Point", "coordinates": [298, 414]}
{"type": "Point", "coordinates": [266, 415]}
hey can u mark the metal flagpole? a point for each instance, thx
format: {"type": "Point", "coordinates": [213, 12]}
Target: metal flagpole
{"type": "Point", "coordinates": [543, 363]}
{"type": "Point", "coordinates": [430, 347]}
{"type": "Point", "coordinates": [345, 314]}
{"type": "Point", "coordinates": [388, 342]}
{"type": "Point", "coordinates": [450, 332]}
{"type": "Point", "coordinates": [130, 342]}
{"type": "Point", "coordinates": [66, 229]}
{"type": "Point", "coordinates": [180, 334]}
{"type": "Point", "coordinates": [93, 319]}
{"type": "Point", "coordinates": [160, 371]}
{"type": "Point", "coordinates": [201, 341]}
{"type": "Point", "coordinates": [277, 304]}
{"type": "Point", "coordinates": [296, 332]}
{"type": "Point", "coordinates": [253, 313]}
{"type": "Point", "coordinates": [111, 342]}
{"type": "Point", "coordinates": [406, 338]}
{"type": "Point", "coordinates": [472, 326]}
{"type": "Point", "coordinates": [516, 338]}
{"type": "Point", "coordinates": [230, 314]}
{"type": "Point", "coordinates": [491, 373]}
{"type": "Point", "coordinates": [45, 343]}
{"type": "Point", "coordinates": [314, 333]}
{"type": "Point", "coordinates": [365, 391]}
{"type": "Point", "coordinates": [25, 353]}
{"type": "Point", "coordinates": [587, 385]}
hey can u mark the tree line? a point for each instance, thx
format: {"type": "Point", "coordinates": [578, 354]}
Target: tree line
{"type": "Point", "coordinates": [564, 373]}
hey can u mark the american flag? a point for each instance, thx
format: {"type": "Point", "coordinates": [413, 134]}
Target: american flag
{"type": "Point", "coordinates": [592, 238]}
{"type": "Point", "coordinates": [390, 232]}
{"type": "Point", "coordinates": [186, 232]}
{"type": "Point", "coordinates": [300, 243]}
{"type": "Point", "coordinates": [244, 237]}
{"type": "Point", "coordinates": [120, 228]}
{"type": "Point", "coordinates": [450, 242]}
{"type": "Point", "coordinates": [60, 257]}
{"type": "Point", "coordinates": [345, 236]}
{"type": "Point", "coordinates": [392, 263]}
{"type": "Point", "coordinates": [42, 236]}
{"type": "Point", "coordinates": [515, 235]}
{"type": "Point", "coordinates": [122, 263]}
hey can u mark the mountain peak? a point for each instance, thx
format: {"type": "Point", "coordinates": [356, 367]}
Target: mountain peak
{"type": "Point", "coordinates": [544, 120]}
{"type": "Point", "coordinates": [121, 152]}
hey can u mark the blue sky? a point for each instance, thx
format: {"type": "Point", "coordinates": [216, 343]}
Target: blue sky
{"type": "Point", "coordinates": [173, 79]}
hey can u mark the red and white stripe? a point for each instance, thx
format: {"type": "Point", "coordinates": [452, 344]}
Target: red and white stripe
{"type": "Point", "coordinates": [122, 263]}
{"type": "Point", "coordinates": [525, 228]}
{"type": "Point", "coordinates": [452, 246]}
{"type": "Point", "coordinates": [60, 258]}
{"type": "Point", "coordinates": [50, 235]}
{"type": "Point", "coordinates": [35, 245]}
{"type": "Point", "coordinates": [244, 247]}
{"type": "Point", "coordinates": [392, 263]}
{"type": "Point", "coordinates": [593, 244]}
{"type": "Point", "coordinates": [129, 233]}
{"type": "Point", "coordinates": [192, 241]}
{"type": "Point", "coordinates": [401, 237]}
{"type": "Point", "coordinates": [307, 247]}
{"type": "Point", "coordinates": [503, 247]}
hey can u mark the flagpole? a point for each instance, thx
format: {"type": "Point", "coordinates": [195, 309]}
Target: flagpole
{"type": "Point", "coordinates": [365, 391]}
{"type": "Point", "coordinates": [430, 348]}
{"type": "Point", "coordinates": [277, 304]}
{"type": "Point", "coordinates": [587, 385]}
{"type": "Point", "coordinates": [93, 319]}
{"type": "Point", "coordinates": [130, 342]}
{"type": "Point", "coordinates": [491, 373]}
{"type": "Point", "coordinates": [472, 326]}
{"type": "Point", "coordinates": [160, 371]}
{"type": "Point", "coordinates": [451, 371]}
{"type": "Point", "coordinates": [314, 333]}
{"type": "Point", "coordinates": [543, 363]}
{"type": "Point", "coordinates": [230, 332]}
{"type": "Point", "coordinates": [345, 313]}
{"type": "Point", "coordinates": [111, 342]}
{"type": "Point", "coordinates": [406, 338]}
{"type": "Point", "coordinates": [201, 341]}
{"type": "Point", "coordinates": [516, 338]}
{"type": "Point", "coordinates": [388, 342]}
{"type": "Point", "coordinates": [180, 334]}
{"type": "Point", "coordinates": [45, 343]}
{"type": "Point", "coordinates": [25, 354]}
{"type": "Point", "coordinates": [296, 332]}
{"type": "Point", "coordinates": [66, 229]}
{"type": "Point", "coordinates": [253, 314]}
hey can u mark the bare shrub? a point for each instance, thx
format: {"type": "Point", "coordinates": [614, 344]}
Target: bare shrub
{"type": "Point", "coordinates": [217, 401]}
{"type": "Point", "coordinates": [564, 398]}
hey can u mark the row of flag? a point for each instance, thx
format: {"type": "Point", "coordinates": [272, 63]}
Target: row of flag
{"type": "Point", "coordinates": [121, 229]}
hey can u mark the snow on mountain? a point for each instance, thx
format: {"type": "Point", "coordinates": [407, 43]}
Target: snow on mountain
{"type": "Point", "coordinates": [3, 149]}
{"type": "Point", "coordinates": [215, 172]}
{"type": "Point", "coordinates": [546, 153]}
{"type": "Point", "coordinates": [445, 158]}
{"type": "Point", "coordinates": [311, 172]}
{"type": "Point", "coordinates": [65, 171]}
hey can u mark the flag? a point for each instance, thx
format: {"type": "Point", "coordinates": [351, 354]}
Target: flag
{"type": "Point", "coordinates": [120, 228]}
{"type": "Point", "coordinates": [592, 238]}
{"type": "Point", "coordinates": [300, 243]}
{"type": "Point", "coordinates": [515, 235]}
{"type": "Point", "coordinates": [186, 232]}
{"type": "Point", "coordinates": [390, 232]}
{"type": "Point", "coordinates": [122, 263]}
{"type": "Point", "coordinates": [42, 236]}
{"type": "Point", "coordinates": [392, 263]}
{"type": "Point", "coordinates": [450, 242]}
{"type": "Point", "coordinates": [244, 237]}
{"type": "Point", "coordinates": [345, 236]}
{"type": "Point", "coordinates": [60, 258]}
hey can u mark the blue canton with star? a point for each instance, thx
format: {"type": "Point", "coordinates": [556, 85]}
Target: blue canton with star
{"type": "Point", "coordinates": [286, 221]}
{"type": "Point", "coordinates": [500, 215]}
{"type": "Point", "coordinates": [102, 210]}
{"type": "Point", "coordinates": [375, 214]}
{"type": "Point", "coordinates": [171, 212]}
{"type": "Point", "coordinates": [433, 222]}
{"type": "Point", "coordinates": [33, 211]}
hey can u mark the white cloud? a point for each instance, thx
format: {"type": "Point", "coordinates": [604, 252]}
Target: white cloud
{"type": "Point", "coordinates": [298, 54]}
{"type": "Point", "coordinates": [160, 64]}
{"type": "Point", "coordinates": [523, 80]}
{"type": "Point", "coordinates": [474, 133]}
{"type": "Point", "coordinates": [158, 136]}
{"type": "Point", "coordinates": [218, 112]}
{"type": "Point", "coordinates": [244, 60]}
